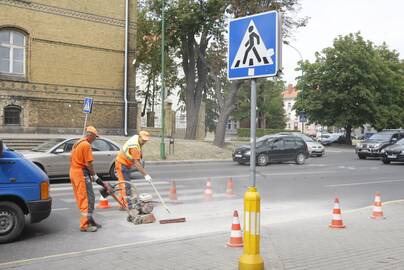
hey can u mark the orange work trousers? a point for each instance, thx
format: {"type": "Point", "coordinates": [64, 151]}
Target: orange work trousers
{"type": "Point", "coordinates": [84, 194]}
{"type": "Point", "coordinates": [123, 174]}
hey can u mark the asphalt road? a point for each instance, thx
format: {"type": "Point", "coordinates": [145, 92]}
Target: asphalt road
{"type": "Point", "coordinates": [288, 192]}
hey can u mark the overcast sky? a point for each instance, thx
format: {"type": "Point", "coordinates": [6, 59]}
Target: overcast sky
{"type": "Point", "coordinates": [377, 21]}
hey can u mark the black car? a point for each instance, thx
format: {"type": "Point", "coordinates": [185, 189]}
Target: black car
{"type": "Point", "coordinates": [274, 148]}
{"type": "Point", "coordinates": [372, 147]}
{"type": "Point", "coordinates": [393, 152]}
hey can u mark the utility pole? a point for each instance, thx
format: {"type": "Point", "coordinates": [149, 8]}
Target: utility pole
{"type": "Point", "coordinates": [162, 122]}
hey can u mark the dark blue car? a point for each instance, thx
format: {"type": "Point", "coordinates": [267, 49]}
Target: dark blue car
{"type": "Point", "coordinates": [24, 191]}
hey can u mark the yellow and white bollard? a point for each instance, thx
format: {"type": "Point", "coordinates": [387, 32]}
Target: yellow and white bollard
{"type": "Point", "coordinates": [251, 258]}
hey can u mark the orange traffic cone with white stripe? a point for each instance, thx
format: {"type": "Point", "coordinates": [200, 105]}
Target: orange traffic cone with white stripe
{"type": "Point", "coordinates": [173, 192]}
{"type": "Point", "coordinates": [336, 216]}
{"type": "Point", "coordinates": [235, 236]}
{"type": "Point", "coordinates": [377, 208]}
{"type": "Point", "coordinates": [208, 190]}
{"type": "Point", "coordinates": [229, 188]}
{"type": "Point", "coordinates": [103, 203]}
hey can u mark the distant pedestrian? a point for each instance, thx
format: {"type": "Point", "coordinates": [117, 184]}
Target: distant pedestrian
{"type": "Point", "coordinates": [129, 156]}
{"type": "Point", "coordinates": [82, 175]}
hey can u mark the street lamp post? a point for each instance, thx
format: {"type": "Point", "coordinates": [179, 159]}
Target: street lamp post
{"type": "Point", "coordinates": [301, 58]}
{"type": "Point", "coordinates": [162, 144]}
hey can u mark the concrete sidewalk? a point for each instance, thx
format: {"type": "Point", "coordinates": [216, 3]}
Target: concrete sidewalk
{"type": "Point", "coordinates": [304, 244]}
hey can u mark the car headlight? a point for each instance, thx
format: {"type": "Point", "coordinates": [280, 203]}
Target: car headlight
{"type": "Point", "coordinates": [382, 151]}
{"type": "Point", "coordinates": [377, 145]}
{"type": "Point", "coordinates": [402, 152]}
{"type": "Point", "coordinates": [247, 153]}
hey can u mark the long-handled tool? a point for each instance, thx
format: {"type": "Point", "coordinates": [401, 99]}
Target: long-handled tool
{"type": "Point", "coordinates": [166, 221]}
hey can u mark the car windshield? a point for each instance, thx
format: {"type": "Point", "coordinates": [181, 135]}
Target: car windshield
{"type": "Point", "coordinates": [381, 136]}
{"type": "Point", "coordinates": [325, 136]}
{"type": "Point", "coordinates": [306, 138]}
{"type": "Point", "coordinates": [47, 145]}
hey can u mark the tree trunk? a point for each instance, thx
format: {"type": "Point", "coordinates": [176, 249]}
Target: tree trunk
{"type": "Point", "coordinates": [196, 73]}
{"type": "Point", "coordinates": [226, 107]}
{"type": "Point", "coordinates": [348, 131]}
{"type": "Point", "coordinates": [220, 131]}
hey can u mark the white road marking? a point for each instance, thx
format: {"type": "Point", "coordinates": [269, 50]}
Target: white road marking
{"type": "Point", "coordinates": [144, 183]}
{"type": "Point", "coordinates": [366, 183]}
{"type": "Point", "coordinates": [59, 209]}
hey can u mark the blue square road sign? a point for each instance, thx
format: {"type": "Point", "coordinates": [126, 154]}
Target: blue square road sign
{"type": "Point", "coordinates": [254, 46]}
{"type": "Point", "coordinates": [88, 105]}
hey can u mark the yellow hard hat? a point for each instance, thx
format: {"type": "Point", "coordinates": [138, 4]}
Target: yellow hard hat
{"type": "Point", "coordinates": [92, 130]}
{"type": "Point", "coordinates": [144, 135]}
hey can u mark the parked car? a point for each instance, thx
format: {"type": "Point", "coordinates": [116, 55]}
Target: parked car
{"type": "Point", "coordinates": [315, 148]}
{"type": "Point", "coordinates": [53, 156]}
{"type": "Point", "coordinates": [330, 138]}
{"type": "Point", "coordinates": [394, 152]}
{"type": "Point", "coordinates": [372, 147]}
{"type": "Point", "coordinates": [274, 148]}
{"type": "Point", "coordinates": [24, 192]}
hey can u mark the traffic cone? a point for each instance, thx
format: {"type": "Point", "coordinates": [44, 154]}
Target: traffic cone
{"type": "Point", "coordinates": [336, 216]}
{"type": "Point", "coordinates": [208, 190]}
{"type": "Point", "coordinates": [229, 188]}
{"type": "Point", "coordinates": [173, 192]}
{"type": "Point", "coordinates": [377, 208]}
{"type": "Point", "coordinates": [103, 203]}
{"type": "Point", "coordinates": [235, 236]}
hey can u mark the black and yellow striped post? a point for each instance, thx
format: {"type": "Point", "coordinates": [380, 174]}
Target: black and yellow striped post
{"type": "Point", "coordinates": [251, 258]}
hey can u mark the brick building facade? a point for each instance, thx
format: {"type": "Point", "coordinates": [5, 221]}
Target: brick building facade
{"type": "Point", "coordinates": [53, 53]}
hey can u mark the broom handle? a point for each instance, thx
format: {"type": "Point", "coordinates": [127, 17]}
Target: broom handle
{"type": "Point", "coordinates": [161, 199]}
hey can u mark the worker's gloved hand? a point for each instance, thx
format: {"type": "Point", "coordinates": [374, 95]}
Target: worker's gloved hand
{"type": "Point", "coordinates": [148, 178]}
{"type": "Point", "coordinates": [96, 178]}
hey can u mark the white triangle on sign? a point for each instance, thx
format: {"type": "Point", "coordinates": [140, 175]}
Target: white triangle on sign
{"type": "Point", "coordinates": [252, 51]}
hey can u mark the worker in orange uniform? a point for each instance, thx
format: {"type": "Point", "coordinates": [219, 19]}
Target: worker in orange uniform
{"type": "Point", "coordinates": [82, 175]}
{"type": "Point", "coordinates": [130, 154]}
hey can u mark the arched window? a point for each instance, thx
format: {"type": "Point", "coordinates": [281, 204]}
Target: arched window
{"type": "Point", "coordinates": [12, 115]}
{"type": "Point", "coordinates": [12, 52]}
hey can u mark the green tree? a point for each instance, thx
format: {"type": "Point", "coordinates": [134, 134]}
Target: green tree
{"type": "Point", "coordinates": [351, 84]}
{"type": "Point", "coordinates": [270, 111]}
{"type": "Point", "coordinates": [148, 53]}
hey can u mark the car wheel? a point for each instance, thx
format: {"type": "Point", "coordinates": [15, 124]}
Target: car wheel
{"type": "Point", "coordinates": [262, 160]}
{"type": "Point", "coordinates": [11, 221]}
{"type": "Point", "coordinates": [362, 157]}
{"type": "Point", "coordinates": [300, 158]}
{"type": "Point", "coordinates": [386, 161]}
{"type": "Point", "coordinates": [112, 174]}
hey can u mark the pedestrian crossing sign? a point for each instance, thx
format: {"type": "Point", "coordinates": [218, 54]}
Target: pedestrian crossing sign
{"type": "Point", "coordinates": [254, 46]}
{"type": "Point", "coordinates": [88, 105]}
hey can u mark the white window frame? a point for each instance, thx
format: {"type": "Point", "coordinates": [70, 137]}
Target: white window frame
{"type": "Point", "coordinates": [11, 48]}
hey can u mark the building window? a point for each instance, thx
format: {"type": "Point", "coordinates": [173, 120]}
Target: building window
{"type": "Point", "coordinates": [12, 52]}
{"type": "Point", "coordinates": [12, 115]}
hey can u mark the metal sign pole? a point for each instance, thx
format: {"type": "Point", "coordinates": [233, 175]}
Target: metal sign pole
{"type": "Point", "coordinates": [253, 126]}
{"type": "Point", "coordinates": [85, 124]}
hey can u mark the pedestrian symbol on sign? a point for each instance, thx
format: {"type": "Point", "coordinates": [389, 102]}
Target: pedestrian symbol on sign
{"type": "Point", "coordinates": [253, 49]}
{"type": "Point", "coordinates": [88, 105]}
